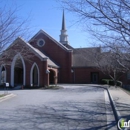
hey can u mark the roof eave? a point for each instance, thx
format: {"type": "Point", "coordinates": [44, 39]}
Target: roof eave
{"type": "Point", "coordinates": [53, 66]}
{"type": "Point", "coordinates": [58, 43]}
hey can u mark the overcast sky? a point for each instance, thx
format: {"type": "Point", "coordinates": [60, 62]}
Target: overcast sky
{"type": "Point", "coordinates": [47, 15]}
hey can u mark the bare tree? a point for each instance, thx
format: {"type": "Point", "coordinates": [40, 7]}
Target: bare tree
{"type": "Point", "coordinates": [108, 22]}
{"type": "Point", "coordinates": [109, 19]}
{"type": "Point", "coordinates": [11, 27]}
{"type": "Point", "coordinates": [107, 61]}
{"type": "Point", "coordinates": [105, 15]}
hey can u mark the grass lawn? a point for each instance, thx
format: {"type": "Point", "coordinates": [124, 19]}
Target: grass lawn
{"type": "Point", "coordinates": [2, 95]}
{"type": "Point", "coordinates": [128, 91]}
{"type": "Point", "coordinates": [53, 87]}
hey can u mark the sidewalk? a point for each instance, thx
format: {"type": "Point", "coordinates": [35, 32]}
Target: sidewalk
{"type": "Point", "coordinates": [122, 102]}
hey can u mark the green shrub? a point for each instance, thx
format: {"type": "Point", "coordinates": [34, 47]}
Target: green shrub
{"type": "Point", "coordinates": [105, 81]}
{"type": "Point", "coordinates": [53, 87]}
{"type": "Point", "coordinates": [119, 83]}
{"type": "Point", "coordinates": [111, 82]}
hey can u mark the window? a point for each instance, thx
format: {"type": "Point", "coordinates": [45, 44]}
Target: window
{"type": "Point", "coordinates": [40, 42]}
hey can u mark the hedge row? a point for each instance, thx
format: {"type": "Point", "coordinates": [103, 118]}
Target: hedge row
{"type": "Point", "coordinates": [111, 82]}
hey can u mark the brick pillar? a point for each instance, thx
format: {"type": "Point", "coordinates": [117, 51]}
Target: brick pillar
{"type": "Point", "coordinates": [56, 77]}
{"type": "Point", "coordinates": [44, 76]}
{"type": "Point", "coordinates": [28, 71]}
{"type": "Point", "coordinates": [69, 67]}
{"type": "Point", "coordinates": [8, 74]}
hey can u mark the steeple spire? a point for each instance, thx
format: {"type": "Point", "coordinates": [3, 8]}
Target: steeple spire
{"type": "Point", "coordinates": [63, 22]}
{"type": "Point", "coordinates": [63, 36]}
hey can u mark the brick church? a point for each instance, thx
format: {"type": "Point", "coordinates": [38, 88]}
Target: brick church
{"type": "Point", "coordinates": [50, 62]}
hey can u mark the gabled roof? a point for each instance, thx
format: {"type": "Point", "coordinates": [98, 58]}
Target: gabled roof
{"type": "Point", "coordinates": [47, 35]}
{"type": "Point", "coordinates": [82, 57]}
{"type": "Point", "coordinates": [37, 52]}
{"type": "Point", "coordinates": [68, 46]}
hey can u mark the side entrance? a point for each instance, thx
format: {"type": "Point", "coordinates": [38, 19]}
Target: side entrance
{"type": "Point", "coordinates": [94, 77]}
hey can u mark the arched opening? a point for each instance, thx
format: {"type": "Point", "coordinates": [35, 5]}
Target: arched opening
{"type": "Point", "coordinates": [18, 75]}
{"type": "Point", "coordinates": [18, 72]}
{"type": "Point", "coordinates": [3, 75]}
{"type": "Point", "coordinates": [34, 75]}
{"type": "Point", "coordinates": [51, 77]}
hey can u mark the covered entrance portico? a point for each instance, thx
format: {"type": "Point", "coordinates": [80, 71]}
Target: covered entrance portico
{"type": "Point", "coordinates": [17, 71]}
{"type": "Point", "coordinates": [53, 76]}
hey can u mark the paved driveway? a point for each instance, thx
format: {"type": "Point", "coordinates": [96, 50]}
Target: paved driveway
{"type": "Point", "coordinates": [71, 108]}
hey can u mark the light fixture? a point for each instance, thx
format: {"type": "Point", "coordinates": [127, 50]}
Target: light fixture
{"type": "Point", "coordinates": [47, 71]}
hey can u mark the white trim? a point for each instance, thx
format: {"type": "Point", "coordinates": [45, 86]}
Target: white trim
{"type": "Point", "coordinates": [31, 73]}
{"type": "Point", "coordinates": [12, 69]}
{"type": "Point", "coordinates": [1, 71]}
{"type": "Point", "coordinates": [39, 43]}
{"type": "Point", "coordinates": [47, 35]}
{"type": "Point", "coordinates": [34, 50]}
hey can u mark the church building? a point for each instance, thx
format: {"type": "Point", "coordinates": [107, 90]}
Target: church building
{"type": "Point", "coordinates": [43, 60]}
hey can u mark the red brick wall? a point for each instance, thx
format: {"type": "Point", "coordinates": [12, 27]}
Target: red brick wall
{"type": "Point", "coordinates": [63, 58]}
{"type": "Point", "coordinates": [42, 65]}
{"type": "Point", "coordinates": [59, 55]}
{"type": "Point", "coordinates": [125, 79]}
{"type": "Point", "coordinates": [83, 75]}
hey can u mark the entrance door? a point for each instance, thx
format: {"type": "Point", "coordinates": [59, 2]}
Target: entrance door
{"type": "Point", "coordinates": [35, 76]}
{"type": "Point", "coordinates": [51, 76]}
{"type": "Point", "coordinates": [94, 78]}
{"type": "Point", "coordinates": [18, 72]}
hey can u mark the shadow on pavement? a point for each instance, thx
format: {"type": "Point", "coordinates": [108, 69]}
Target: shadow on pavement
{"type": "Point", "coordinates": [124, 110]}
{"type": "Point", "coordinates": [57, 116]}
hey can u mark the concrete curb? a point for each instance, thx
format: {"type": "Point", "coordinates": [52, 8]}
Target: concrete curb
{"type": "Point", "coordinates": [109, 111]}
{"type": "Point", "coordinates": [7, 97]}
{"type": "Point", "coordinates": [116, 113]}
{"type": "Point", "coordinates": [114, 108]}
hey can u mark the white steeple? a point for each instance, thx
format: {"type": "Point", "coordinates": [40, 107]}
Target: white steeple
{"type": "Point", "coordinates": [63, 36]}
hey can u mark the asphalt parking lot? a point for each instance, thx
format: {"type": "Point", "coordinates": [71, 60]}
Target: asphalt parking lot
{"type": "Point", "coordinates": [72, 108]}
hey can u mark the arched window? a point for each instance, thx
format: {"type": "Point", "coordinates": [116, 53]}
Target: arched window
{"type": "Point", "coordinates": [34, 75]}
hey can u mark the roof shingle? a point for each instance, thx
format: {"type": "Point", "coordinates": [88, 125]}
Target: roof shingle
{"type": "Point", "coordinates": [82, 57]}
